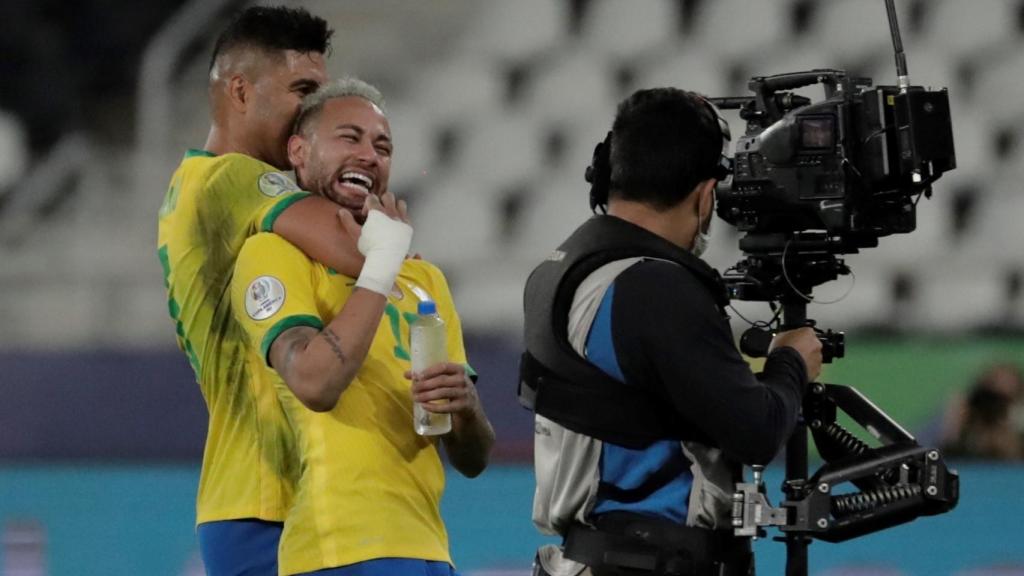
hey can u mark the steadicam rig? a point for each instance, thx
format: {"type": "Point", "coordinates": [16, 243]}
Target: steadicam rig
{"type": "Point", "coordinates": [814, 181]}
{"type": "Point", "coordinates": [859, 489]}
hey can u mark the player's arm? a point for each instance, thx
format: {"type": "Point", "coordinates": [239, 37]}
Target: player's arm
{"type": "Point", "coordinates": [313, 226]}
{"type": "Point", "coordinates": [319, 365]}
{"type": "Point", "coordinates": [472, 436]}
{"type": "Point", "coordinates": [470, 441]}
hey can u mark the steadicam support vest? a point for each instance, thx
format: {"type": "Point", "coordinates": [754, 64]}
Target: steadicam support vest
{"type": "Point", "coordinates": [558, 383]}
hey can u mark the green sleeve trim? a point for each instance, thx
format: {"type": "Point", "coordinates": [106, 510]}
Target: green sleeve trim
{"type": "Point", "coordinates": [285, 324]}
{"type": "Point", "coordinates": [193, 152]}
{"type": "Point", "coordinates": [165, 264]}
{"type": "Point", "coordinates": [471, 373]}
{"type": "Point", "coordinates": [268, 221]}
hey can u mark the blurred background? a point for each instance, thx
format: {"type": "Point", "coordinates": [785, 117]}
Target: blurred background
{"type": "Point", "coordinates": [495, 108]}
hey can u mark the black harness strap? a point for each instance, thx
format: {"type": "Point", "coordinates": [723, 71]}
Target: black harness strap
{"type": "Point", "coordinates": [558, 383]}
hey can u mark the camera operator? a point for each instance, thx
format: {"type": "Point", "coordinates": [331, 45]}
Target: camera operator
{"type": "Point", "coordinates": [645, 408]}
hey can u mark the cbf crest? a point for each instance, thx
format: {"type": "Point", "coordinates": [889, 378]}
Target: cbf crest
{"type": "Point", "coordinates": [264, 297]}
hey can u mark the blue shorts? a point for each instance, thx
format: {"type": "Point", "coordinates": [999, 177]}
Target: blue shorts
{"type": "Point", "coordinates": [240, 547]}
{"type": "Point", "coordinates": [390, 567]}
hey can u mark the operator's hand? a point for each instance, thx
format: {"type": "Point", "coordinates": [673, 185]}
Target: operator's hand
{"type": "Point", "coordinates": [449, 383]}
{"type": "Point", "coordinates": [805, 342]}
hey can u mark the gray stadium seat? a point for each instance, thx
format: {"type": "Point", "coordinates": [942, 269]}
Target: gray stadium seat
{"type": "Point", "coordinates": [997, 88]}
{"type": "Point", "coordinates": [502, 148]}
{"type": "Point", "coordinates": [855, 30]}
{"type": "Point", "coordinates": [734, 29]}
{"type": "Point", "coordinates": [999, 233]}
{"type": "Point", "coordinates": [575, 87]}
{"type": "Point", "coordinates": [957, 27]}
{"type": "Point", "coordinates": [452, 90]}
{"type": "Point", "coordinates": [621, 29]}
{"type": "Point", "coordinates": [412, 133]}
{"type": "Point", "coordinates": [455, 222]}
{"type": "Point", "coordinates": [515, 31]}
{"type": "Point", "coordinates": [556, 207]}
{"type": "Point", "coordinates": [690, 70]}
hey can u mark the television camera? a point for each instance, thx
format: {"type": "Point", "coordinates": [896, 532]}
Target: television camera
{"type": "Point", "coordinates": [813, 181]}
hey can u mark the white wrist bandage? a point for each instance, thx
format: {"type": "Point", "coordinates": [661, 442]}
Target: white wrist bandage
{"type": "Point", "coordinates": [385, 243]}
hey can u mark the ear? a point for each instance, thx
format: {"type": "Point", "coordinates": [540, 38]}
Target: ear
{"type": "Point", "coordinates": [238, 92]}
{"type": "Point", "coordinates": [297, 147]}
{"type": "Point", "coordinates": [706, 200]}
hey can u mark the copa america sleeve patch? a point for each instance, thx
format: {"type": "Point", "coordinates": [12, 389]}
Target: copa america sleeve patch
{"type": "Point", "coordinates": [273, 184]}
{"type": "Point", "coordinates": [264, 297]}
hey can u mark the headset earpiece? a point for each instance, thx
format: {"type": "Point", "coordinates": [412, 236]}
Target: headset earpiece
{"type": "Point", "coordinates": [723, 169]}
{"type": "Point", "coordinates": [599, 175]}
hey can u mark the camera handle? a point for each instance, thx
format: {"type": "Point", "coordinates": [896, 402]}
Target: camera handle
{"type": "Point", "coordinates": [755, 342]}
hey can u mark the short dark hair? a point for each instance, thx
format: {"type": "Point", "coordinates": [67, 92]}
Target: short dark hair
{"type": "Point", "coordinates": [664, 142]}
{"type": "Point", "coordinates": [274, 28]}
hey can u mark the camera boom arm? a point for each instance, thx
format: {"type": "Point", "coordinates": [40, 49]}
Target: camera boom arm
{"type": "Point", "coordinates": [895, 483]}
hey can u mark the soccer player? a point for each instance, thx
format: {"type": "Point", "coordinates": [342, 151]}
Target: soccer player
{"type": "Point", "coordinates": [263, 63]}
{"type": "Point", "coordinates": [368, 495]}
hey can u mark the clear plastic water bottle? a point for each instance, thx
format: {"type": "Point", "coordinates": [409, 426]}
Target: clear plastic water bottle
{"type": "Point", "coordinates": [429, 347]}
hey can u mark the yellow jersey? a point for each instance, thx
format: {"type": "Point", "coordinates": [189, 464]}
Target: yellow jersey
{"type": "Point", "coordinates": [369, 487]}
{"type": "Point", "coordinates": [212, 205]}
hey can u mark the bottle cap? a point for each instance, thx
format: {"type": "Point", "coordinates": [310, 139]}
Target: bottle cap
{"type": "Point", "coordinates": [426, 308]}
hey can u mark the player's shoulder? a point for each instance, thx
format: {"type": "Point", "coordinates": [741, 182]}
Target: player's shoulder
{"type": "Point", "coordinates": [267, 247]}
{"type": "Point", "coordinates": [423, 270]}
{"type": "Point", "coordinates": [235, 169]}
{"type": "Point", "coordinates": [429, 277]}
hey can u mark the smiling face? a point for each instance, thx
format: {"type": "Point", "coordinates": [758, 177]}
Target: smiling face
{"type": "Point", "coordinates": [344, 153]}
{"type": "Point", "coordinates": [278, 84]}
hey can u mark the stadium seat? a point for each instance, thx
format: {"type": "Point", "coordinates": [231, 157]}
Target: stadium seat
{"type": "Point", "coordinates": [455, 221]}
{"type": "Point", "coordinates": [734, 29]}
{"type": "Point", "coordinates": [999, 234]}
{"type": "Point", "coordinates": [697, 71]}
{"type": "Point", "coordinates": [619, 30]}
{"type": "Point", "coordinates": [502, 148]}
{"type": "Point", "coordinates": [489, 294]}
{"type": "Point", "coordinates": [966, 295]}
{"type": "Point", "coordinates": [453, 90]}
{"type": "Point", "coordinates": [961, 28]}
{"type": "Point", "coordinates": [556, 207]}
{"type": "Point", "coordinates": [516, 31]}
{"type": "Point", "coordinates": [856, 31]}
{"type": "Point", "coordinates": [575, 87]}
{"type": "Point", "coordinates": [996, 80]}
{"type": "Point", "coordinates": [414, 156]}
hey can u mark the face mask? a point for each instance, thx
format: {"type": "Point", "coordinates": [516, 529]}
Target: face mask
{"type": "Point", "coordinates": [703, 237]}
{"type": "Point", "coordinates": [700, 243]}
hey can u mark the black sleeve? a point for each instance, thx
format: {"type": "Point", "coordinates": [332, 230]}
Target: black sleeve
{"type": "Point", "coordinates": [670, 336]}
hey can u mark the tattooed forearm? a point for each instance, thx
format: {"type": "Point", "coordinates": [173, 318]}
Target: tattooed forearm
{"type": "Point", "coordinates": [288, 348]}
{"type": "Point", "coordinates": [335, 343]}
{"type": "Point", "coordinates": [289, 354]}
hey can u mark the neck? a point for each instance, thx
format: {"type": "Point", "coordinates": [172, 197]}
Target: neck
{"type": "Point", "coordinates": [222, 140]}
{"type": "Point", "coordinates": [671, 224]}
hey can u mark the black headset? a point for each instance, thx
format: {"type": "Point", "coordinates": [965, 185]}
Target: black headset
{"type": "Point", "coordinates": [599, 173]}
